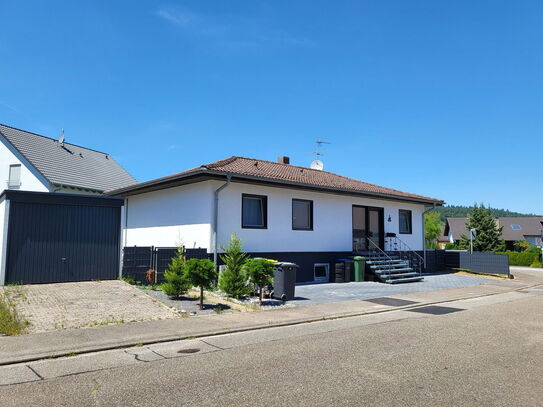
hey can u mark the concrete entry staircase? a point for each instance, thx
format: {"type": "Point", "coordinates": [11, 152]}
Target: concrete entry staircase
{"type": "Point", "coordinates": [392, 269]}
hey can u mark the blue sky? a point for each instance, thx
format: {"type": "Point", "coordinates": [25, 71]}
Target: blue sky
{"type": "Point", "coordinates": [439, 98]}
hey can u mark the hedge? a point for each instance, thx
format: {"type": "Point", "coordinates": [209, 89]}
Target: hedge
{"type": "Point", "coordinates": [521, 258]}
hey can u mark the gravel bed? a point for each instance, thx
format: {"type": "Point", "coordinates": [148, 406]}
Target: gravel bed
{"type": "Point", "coordinates": [186, 305]}
{"type": "Point", "coordinates": [253, 302]}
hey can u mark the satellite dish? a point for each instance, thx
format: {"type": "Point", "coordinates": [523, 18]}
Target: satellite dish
{"type": "Point", "coordinates": [317, 165]}
{"type": "Point", "coordinates": [61, 138]}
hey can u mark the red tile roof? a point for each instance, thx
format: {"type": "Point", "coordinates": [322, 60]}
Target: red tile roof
{"type": "Point", "coordinates": [269, 171]}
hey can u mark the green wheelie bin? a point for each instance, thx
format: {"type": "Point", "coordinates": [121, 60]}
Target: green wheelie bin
{"type": "Point", "coordinates": [359, 268]}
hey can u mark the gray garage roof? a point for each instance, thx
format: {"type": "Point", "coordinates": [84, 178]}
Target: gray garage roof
{"type": "Point", "coordinates": [68, 164]}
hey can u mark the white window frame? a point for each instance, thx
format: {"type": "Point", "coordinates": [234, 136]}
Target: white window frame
{"type": "Point", "coordinates": [17, 184]}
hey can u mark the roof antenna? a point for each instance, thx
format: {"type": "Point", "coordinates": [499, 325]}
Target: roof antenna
{"type": "Point", "coordinates": [61, 138]}
{"type": "Point", "coordinates": [317, 163]}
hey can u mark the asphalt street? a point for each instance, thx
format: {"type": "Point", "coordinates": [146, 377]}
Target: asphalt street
{"type": "Point", "coordinates": [482, 351]}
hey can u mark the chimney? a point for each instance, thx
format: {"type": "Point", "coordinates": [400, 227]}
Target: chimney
{"type": "Point", "coordinates": [283, 159]}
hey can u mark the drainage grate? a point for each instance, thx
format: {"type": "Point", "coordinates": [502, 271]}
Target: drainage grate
{"type": "Point", "coordinates": [435, 310]}
{"type": "Point", "coordinates": [190, 350]}
{"type": "Point", "coordinates": [393, 302]}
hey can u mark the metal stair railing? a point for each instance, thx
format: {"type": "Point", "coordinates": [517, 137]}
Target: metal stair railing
{"type": "Point", "coordinates": [395, 244]}
{"type": "Point", "coordinates": [375, 250]}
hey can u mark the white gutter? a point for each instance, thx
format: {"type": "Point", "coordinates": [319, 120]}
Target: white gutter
{"type": "Point", "coordinates": [4, 240]}
{"type": "Point", "coordinates": [215, 225]}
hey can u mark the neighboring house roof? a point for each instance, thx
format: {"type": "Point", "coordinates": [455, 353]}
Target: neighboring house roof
{"type": "Point", "coordinates": [517, 228]}
{"type": "Point", "coordinates": [444, 237]}
{"type": "Point", "coordinates": [456, 227]}
{"type": "Point", "coordinates": [255, 170]}
{"type": "Point", "coordinates": [68, 164]}
{"type": "Point", "coordinates": [514, 229]}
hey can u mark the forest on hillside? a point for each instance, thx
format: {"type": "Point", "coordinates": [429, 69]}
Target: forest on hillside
{"type": "Point", "coordinates": [459, 211]}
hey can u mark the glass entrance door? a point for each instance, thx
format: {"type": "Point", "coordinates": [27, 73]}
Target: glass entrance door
{"type": "Point", "coordinates": [375, 231]}
{"type": "Point", "coordinates": [368, 222]}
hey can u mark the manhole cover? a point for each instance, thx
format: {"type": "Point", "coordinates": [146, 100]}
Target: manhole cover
{"type": "Point", "coordinates": [393, 302]}
{"type": "Point", "coordinates": [435, 310]}
{"type": "Point", "coordinates": [190, 350]}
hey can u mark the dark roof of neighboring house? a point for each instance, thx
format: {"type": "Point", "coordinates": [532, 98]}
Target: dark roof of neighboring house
{"type": "Point", "coordinates": [529, 226]}
{"type": "Point", "coordinates": [457, 227]}
{"type": "Point", "coordinates": [68, 164]}
{"type": "Point", "coordinates": [444, 237]}
{"type": "Point", "coordinates": [261, 171]}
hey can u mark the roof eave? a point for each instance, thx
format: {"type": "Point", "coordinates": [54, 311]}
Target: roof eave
{"type": "Point", "coordinates": [167, 181]}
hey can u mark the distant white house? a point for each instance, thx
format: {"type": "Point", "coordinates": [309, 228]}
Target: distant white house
{"type": "Point", "coordinates": [280, 211]}
{"type": "Point", "coordinates": [32, 162]}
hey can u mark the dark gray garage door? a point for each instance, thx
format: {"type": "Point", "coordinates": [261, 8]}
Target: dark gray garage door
{"type": "Point", "coordinates": [60, 238]}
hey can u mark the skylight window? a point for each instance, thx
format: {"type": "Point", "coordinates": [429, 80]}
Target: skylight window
{"type": "Point", "coordinates": [516, 227]}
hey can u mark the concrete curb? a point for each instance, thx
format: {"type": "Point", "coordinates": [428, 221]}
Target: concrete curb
{"type": "Point", "coordinates": [251, 327]}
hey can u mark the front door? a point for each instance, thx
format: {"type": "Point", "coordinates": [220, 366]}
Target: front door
{"type": "Point", "coordinates": [368, 222]}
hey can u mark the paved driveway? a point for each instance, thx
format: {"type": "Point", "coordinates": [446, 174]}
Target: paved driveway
{"type": "Point", "coordinates": [75, 305]}
{"type": "Point", "coordinates": [334, 292]}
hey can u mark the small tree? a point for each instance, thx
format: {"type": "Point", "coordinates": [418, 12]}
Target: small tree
{"type": "Point", "coordinates": [201, 273]}
{"type": "Point", "coordinates": [233, 279]}
{"type": "Point", "coordinates": [488, 238]}
{"type": "Point", "coordinates": [433, 228]}
{"type": "Point", "coordinates": [260, 272]}
{"type": "Point", "coordinates": [176, 282]}
{"type": "Point", "coordinates": [522, 245]}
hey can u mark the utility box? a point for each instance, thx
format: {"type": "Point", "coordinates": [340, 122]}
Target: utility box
{"type": "Point", "coordinates": [284, 280]}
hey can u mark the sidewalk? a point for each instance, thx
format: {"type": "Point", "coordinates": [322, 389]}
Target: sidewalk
{"type": "Point", "coordinates": [60, 343]}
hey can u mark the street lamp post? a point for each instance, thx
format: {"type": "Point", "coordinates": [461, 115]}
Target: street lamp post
{"type": "Point", "coordinates": [472, 235]}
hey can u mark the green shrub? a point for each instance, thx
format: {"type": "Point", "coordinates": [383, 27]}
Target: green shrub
{"type": "Point", "coordinates": [130, 280]}
{"type": "Point", "coordinates": [536, 264]}
{"type": "Point", "coordinates": [11, 322]}
{"type": "Point", "coordinates": [233, 279]}
{"type": "Point", "coordinates": [176, 283]}
{"type": "Point", "coordinates": [533, 249]}
{"type": "Point", "coordinates": [451, 246]}
{"type": "Point", "coordinates": [260, 272]}
{"type": "Point", "coordinates": [201, 273]}
{"type": "Point", "coordinates": [521, 258]}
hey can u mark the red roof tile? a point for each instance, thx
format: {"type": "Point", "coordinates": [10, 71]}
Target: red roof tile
{"type": "Point", "coordinates": [287, 174]}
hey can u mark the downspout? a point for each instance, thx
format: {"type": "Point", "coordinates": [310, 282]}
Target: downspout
{"type": "Point", "coordinates": [216, 216]}
{"type": "Point", "coordinates": [424, 232]}
{"type": "Point", "coordinates": [124, 235]}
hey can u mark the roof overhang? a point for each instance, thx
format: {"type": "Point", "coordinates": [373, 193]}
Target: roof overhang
{"type": "Point", "coordinates": [204, 174]}
{"type": "Point", "coordinates": [60, 198]}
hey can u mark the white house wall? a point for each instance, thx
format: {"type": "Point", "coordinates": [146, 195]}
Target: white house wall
{"type": "Point", "coordinates": [31, 180]}
{"type": "Point", "coordinates": [332, 220]}
{"type": "Point", "coordinates": [3, 238]}
{"type": "Point", "coordinates": [170, 217]}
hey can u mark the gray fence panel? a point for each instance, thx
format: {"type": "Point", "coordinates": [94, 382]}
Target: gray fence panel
{"type": "Point", "coordinates": [489, 263]}
{"type": "Point", "coordinates": [138, 259]}
{"type": "Point", "coordinates": [435, 260]}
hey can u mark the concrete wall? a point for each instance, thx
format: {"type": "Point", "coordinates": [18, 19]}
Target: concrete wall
{"type": "Point", "coordinates": [170, 217]}
{"type": "Point", "coordinates": [332, 218]}
{"type": "Point", "coordinates": [31, 180]}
